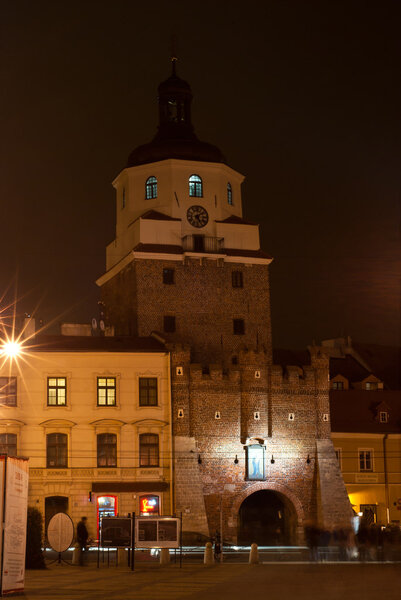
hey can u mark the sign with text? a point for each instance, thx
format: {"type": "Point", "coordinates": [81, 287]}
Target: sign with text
{"type": "Point", "coordinates": [15, 517]}
{"type": "Point", "coordinates": [148, 505]}
{"type": "Point", "coordinates": [157, 532]}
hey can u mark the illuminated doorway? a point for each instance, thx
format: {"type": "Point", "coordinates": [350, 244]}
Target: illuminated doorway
{"type": "Point", "coordinates": [266, 518]}
{"type": "Point", "coordinates": [106, 507]}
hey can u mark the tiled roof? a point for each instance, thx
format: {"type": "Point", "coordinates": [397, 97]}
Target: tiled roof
{"type": "Point", "coordinates": [157, 216]}
{"type": "Point", "coordinates": [72, 343]}
{"type": "Point", "coordinates": [355, 411]}
{"type": "Point", "coordinates": [233, 219]}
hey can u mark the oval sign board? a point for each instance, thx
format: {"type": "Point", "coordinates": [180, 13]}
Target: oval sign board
{"type": "Point", "coordinates": [60, 532]}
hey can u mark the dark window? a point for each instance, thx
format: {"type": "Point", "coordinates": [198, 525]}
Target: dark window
{"type": "Point", "coordinates": [238, 326]}
{"type": "Point", "coordinates": [237, 280]}
{"type": "Point", "coordinates": [148, 391]}
{"type": "Point", "coordinates": [106, 391]}
{"type": "Point", "coordinates": [56, 391]}
{"type": "Point", "coordinates": [234, 360]}
{"type": "Point", "coordinates": [8, 391]}
{"type": "Point", "coordinates": [168, 276]}
{"type": "Point", "coordinates": [148, 450]}
{"type": "Point", "coordinates": [56, 450]}
{"type": "Point", "coordinates": [107, 450]}
{"type": "Point", "coordinates": [195, 186]}
{"type": "Point", "coordinates": [8, 444]}
{"type": "Point", "coordinates": [337, 385]}
{"type": "Point", "coordinates": [151, 188]}
{"type": "Point", "coordinates": [123, 199]}
{"type": "Point", "coordinates": [169, 324]}
{"type": "Point", "coordinates": [229, 194]}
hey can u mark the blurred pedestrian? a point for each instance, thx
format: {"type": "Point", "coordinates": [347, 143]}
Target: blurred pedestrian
{"type": "Point", "coordinates": [82, 539]}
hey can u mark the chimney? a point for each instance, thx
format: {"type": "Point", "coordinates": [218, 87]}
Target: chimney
{"type": "Point", "coordinates": [29, 328]}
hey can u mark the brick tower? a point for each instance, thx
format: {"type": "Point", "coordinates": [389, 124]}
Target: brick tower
{"type": "Point", "coordinates": [253, 456]}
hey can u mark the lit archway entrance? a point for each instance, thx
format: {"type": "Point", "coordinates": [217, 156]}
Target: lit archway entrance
{"type": "Point", "coordinates": [267, 518]}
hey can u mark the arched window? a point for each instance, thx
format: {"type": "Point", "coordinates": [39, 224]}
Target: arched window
{"type": "Point", "coordinates": [229, 194]}
{"type": "Point", "coordinates": [195, 186]}
{"type": "Point", "coordinates": [148, 450]}
{"type": "Point", "coordinates": [151, 188]}
{"type": "Point", "coordinates": [56, 455]}
{"type": "Point", "coordinates": [107, 450]}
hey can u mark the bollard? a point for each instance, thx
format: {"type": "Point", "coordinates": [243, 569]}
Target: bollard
{"type": "Point", "coordinates": [121, 557]}
{"type": "Point", "coordinates": [254, 555]}
{"type": "Point", "coordinates": [208, 558]}
{"type": "Point", "coordinates": [164, 556]}
{"type": "Point", "coordinates": [76, 553]}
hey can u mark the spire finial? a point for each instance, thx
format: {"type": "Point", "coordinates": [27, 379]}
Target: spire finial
{"type": "Point", "coordinates": [173, 56]}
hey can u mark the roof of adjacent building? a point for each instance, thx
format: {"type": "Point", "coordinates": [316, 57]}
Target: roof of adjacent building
{"type": "Point", "coordinates": [357, 411]}
{"type": "Point", "coordinates": [72, 343]}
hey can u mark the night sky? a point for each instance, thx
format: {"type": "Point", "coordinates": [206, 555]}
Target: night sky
{"type": "Point", "coordinates": [301, 96]}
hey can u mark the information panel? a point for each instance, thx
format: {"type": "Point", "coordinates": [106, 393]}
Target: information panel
{"type": "Point", "coordinates": [116, 532]}
{"type": "Point", "coordinates": [15, 517]}
{"type": "Point", "coordinates": [158, 532]}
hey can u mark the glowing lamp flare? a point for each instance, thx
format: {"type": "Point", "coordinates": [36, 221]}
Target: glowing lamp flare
{"type": "Point", "coordinates": [11, 348]}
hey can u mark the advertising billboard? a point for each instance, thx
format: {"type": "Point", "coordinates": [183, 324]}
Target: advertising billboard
{"type": "Point", "coordinates": [157, 532]}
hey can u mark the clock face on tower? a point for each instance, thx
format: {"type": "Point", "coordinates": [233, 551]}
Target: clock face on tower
{"type": "Point", "coordinates": [197, 216]}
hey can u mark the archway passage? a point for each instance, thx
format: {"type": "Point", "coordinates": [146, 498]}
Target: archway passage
{"type": "Point", "coordinates": [266, 518]}
{"type": "Point", "coordinates": [54, 505]}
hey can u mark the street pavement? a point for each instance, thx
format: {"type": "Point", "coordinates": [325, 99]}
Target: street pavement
{"type": "Point", "coordinates": [271, 581]}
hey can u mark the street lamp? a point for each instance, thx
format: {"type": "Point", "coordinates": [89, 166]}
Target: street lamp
{"type": "Point", "coordinates": [10, 348]}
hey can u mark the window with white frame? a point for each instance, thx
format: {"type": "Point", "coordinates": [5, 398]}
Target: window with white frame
{"type": "Point", "coordinates": [365, 460]}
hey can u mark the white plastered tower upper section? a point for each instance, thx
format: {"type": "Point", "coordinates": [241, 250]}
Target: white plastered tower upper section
{"type": "Point", "coordinates": [173, 200]}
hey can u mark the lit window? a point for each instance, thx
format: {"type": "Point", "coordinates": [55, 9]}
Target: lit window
{"type": "Point", "coordinates": [148, 450]}
{"type": "Point", "coordinates": [148, 391]}
{"type": "Point", "coordinates": [370, 385]}
{"type": "Point", "coordinates": [106, 391]}
{"type": "Point", "coordinates": [8, 391]}
{"type": "Point", "coordinates": [238, 326]}
{"type": "Point", "coordinates": [151, 188]}
{"type": "Point", "coordinates": [383, 416]}
{"type": "Point", "coordinates": [365, 460]}
{"type": "Point", "coordinates": [229, 194]}
{"type": "Point", "coordinates": [107, 450]}
{"type": "Point", "coordinates": [56, 391]}
{"type": "Point", "coordinates": [337, 385]}
{"type": "Point", "coordinates": [8, 444]}
{"type": "Point", "coordinates": [56, 455]}
{"type": "Point", "coordinates": [195, 186]}
{"type": "Point", "coordinates": [168, 276]}
{"type": "Point", "coordinates": [169, 324]}
{"type": "Point", "coordinates": [237, 279]}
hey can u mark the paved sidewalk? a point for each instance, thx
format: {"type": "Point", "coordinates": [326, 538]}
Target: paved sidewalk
{"type": "Point", "coordinates": [222, 582]}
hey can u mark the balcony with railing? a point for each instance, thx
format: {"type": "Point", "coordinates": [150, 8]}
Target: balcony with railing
{"type": "Point", "coordinates": [202, 243]}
